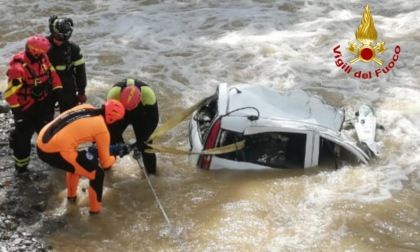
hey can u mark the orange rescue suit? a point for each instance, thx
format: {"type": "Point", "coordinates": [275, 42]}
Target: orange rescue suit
{"type": "Point", "coordinates": [79, 125]}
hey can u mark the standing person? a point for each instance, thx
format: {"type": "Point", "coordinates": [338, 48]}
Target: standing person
{"type": "Point", "coordinates": [142, 113]}
{"type": "Point", "coordinates": [58, 142]}
{"type": "Point", "coordinates": [68, 61]}
{"type": "Point", "coordinates": [33, 87]}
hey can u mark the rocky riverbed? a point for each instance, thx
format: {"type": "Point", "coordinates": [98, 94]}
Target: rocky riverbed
{"type": "Point", "coordinates": [23, 199]}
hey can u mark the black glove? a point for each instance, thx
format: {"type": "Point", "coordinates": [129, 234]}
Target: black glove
{"type": "Point", "coordinates": [81, 98]}
{"type": "Point", "coordinates": [136, 153]}
{"type": "Point", "coordinates": [118, 150]}
{"type": "Point", "coordinates": [133, 146]}
{"type": "Point", "coordinates": [58, 97]}
{"type": "Point", "coordinates": [114, 150]}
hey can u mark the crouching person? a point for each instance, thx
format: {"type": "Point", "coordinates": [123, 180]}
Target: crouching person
{"type": "Point", "coordinates": [58, 142]}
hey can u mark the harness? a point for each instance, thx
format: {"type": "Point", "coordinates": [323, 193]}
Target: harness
{"type": "Point", "coordinates": [67, 119]}
{"type": "Point", "coordinates": [39, 90]}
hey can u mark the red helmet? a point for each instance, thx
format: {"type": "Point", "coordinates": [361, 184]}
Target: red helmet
{"type": "Point", "coordinates": [37, 45]}
{"type": "Point", "coordinates": [130, 97]}
{"type": "Point", "coordinates": [114, 111]}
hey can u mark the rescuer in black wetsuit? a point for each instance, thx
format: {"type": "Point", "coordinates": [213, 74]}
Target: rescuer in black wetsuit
{"type": "Point", "coordinates": [141, 112]}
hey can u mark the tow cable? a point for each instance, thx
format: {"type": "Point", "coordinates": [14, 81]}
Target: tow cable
{"type": "Point", "coordinates": [137, 157]}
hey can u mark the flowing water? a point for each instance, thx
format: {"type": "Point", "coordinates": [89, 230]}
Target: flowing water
{"type": "Point", "coordinates": [184, 49]}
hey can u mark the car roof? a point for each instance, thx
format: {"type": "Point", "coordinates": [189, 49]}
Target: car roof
{"type": "Point", "coordinates": [295, 105]}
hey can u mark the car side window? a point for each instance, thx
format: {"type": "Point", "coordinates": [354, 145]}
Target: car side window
{"type": "Point", "coordinates": [276, 149]}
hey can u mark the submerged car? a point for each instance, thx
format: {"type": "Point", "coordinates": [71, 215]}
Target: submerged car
{"type": "Point", "coordinates": [293, 129]}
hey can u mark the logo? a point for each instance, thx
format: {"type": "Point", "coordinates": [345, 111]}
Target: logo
{"type": "Point", "coordinates": [366, 51]}
{"type": "Point", "coordinates": [366, 34]}
{"type": "Point", "coordinates": [89, 156]}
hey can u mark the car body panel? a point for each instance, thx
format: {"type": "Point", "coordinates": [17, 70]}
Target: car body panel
{"type": "Point", "coordinates": [268, 117]}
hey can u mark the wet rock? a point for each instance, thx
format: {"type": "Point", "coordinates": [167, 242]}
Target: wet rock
{"type": "Point", "coordinates": [22, 199]}
{"type": "Point", "coordinates": [40, 206]}
{"type": "Point", "coordinates": [10, 225]}
{"type": "Point", "coordinates": [6, 236]}
{"type": "Point", "coordinates": [4, 107]}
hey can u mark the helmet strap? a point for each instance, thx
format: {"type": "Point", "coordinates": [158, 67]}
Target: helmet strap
{"type": "Point", "coordinates": [32, 58]}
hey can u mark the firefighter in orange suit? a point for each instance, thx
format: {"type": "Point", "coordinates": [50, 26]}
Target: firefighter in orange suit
{"type": "Point", "coordinates": [58, 142]}
{"type": "Point", "coordinates": [33, 87]}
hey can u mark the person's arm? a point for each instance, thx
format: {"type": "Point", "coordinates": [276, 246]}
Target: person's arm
{"type": "Point", "coordinates": [102, 142]}
{"type": "Point", "coordinates": [78, 62]}
{"type": "Point", "coordinates": [14, 83]}
{"type": "Point", "coordinates": [57, 86]}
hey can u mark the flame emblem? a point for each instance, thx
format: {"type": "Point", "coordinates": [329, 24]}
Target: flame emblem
{"type": "Point", "coordinates": [366, 34]}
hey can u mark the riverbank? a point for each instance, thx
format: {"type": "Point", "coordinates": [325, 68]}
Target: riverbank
{"type": "Point", "coordinates": [23, 199]}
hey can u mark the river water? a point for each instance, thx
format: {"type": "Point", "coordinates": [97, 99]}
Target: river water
{"type": "Point", "coordinates": [184, 49]}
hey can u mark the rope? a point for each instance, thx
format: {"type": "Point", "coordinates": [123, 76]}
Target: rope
{"type": "Point", "coordinates": [218, 150]}
{"type": "Point", "coordinates": [160, 205]}
{"type": "Point", "coordinates": [162, 129]}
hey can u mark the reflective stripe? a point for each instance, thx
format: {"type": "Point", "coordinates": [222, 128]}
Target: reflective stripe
{"type": "Point", "coordinates": [60, 67]}
{"type": "Point", "coordinates": [75, 63]}
{"type": "Point", "coordinates": [58, 87]}
{"type": "Point", "coordinates": [14, 106]}
{"type": "Point", "coordinates": [79, 62]}
{"type": "Point", "coordinates": [12, 89]}
{"type": "Point", "coordinates": [21, 162]}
